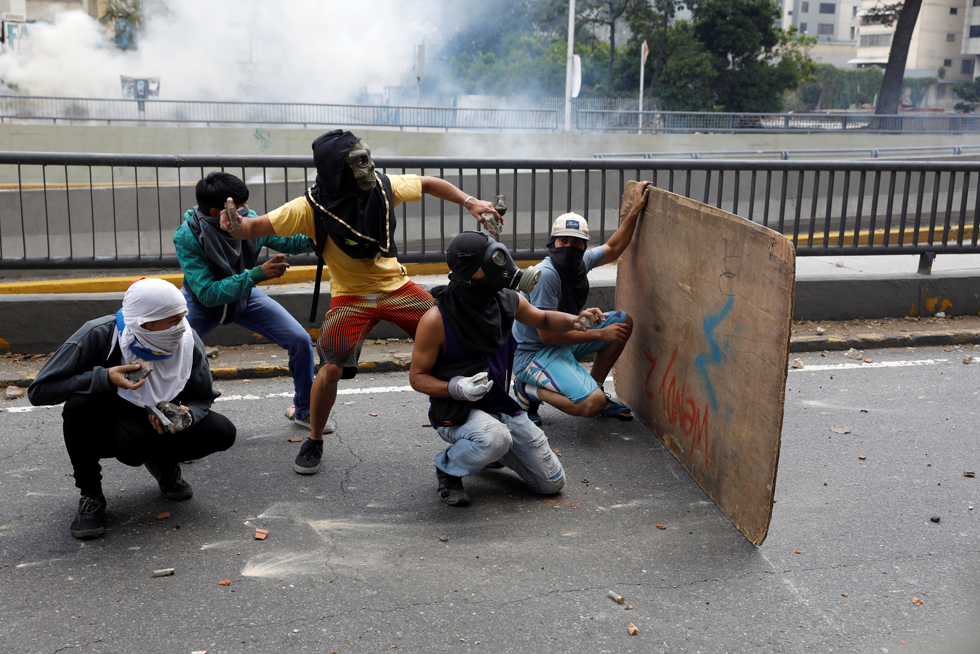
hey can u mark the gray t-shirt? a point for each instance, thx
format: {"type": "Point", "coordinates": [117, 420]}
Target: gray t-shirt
{"type": "Point", "coordinates": [545, 295]}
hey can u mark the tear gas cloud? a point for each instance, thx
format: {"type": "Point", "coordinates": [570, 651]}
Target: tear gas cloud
{"type": "Point", "coordinates": [323, 51]}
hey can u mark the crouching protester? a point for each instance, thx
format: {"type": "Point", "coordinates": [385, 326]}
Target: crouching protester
{"type": "Point", "coordinates": [462, 360]}
{"type": "Point", "coordinates": [111, 374]}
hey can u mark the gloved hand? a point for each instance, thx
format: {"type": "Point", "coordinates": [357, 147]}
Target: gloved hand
{"type": "Point", "coordinates": [470, 389]}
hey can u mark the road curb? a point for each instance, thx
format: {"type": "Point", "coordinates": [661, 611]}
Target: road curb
{"type": "Point", "coordinates": [799, 344]}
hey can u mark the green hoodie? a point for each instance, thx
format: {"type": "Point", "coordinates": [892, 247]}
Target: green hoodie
{"type": "Point", "coordinates": [214, 292]}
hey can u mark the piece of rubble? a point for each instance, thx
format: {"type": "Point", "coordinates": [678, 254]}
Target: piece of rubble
{"type": "Point", "coordinates": [853, 354]}
{"type": "Point", "coordinates": [444, 539]}
{"type": "Point", "coordinates": [295, 439]}
{"type": "Point", "coordinates": [225, 582]}
{"type": "Point", "coordinates": [840, 430]}
{"type": "Point", "coordinates": [234, 221]}
{"type": "Point", "coordinates": [14, 392]}
{"type": "Point", "coordinates": [211, 352]}
{"type": "Point", "coordinates": [141, 373]}
{"type": "Point", "coordinates": [798, 364]}
{"type": "Point", "coordinates": [633, 630]}
{"type": "Point", "coordinates": [585, 322]}
{"type": "Point", "coordinates": [261, 534]}
{"type": "Point", "coordinates": [173, 418]}
{"type": "Point", "coordinates": [969, 474]}
{"type": "Point", "coordinates": [968, 360]}
{"type": "Point", "coordinates": [935, 519]}
{"type": "Point", "coordinates": [821, 330]}
{"type": "Point", "coordinates": [661, 527]}
{"type": "Point", "coordinates": [941, 314]}
{"type": "Point", "coordinates": [163, 516]}
{"type": "Point", "coordinates": [490, 222]}
{"type": "Point", "coordinates": [917, 601]}
{"type": "Point", "coordinates": [869, 360]}
{"type": "Point", "coordinates": [862, 458]}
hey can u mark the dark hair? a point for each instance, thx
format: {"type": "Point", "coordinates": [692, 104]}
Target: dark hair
{"type": "Point", "coordinates": [213, 190]}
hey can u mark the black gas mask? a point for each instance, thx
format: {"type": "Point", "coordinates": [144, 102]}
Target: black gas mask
{"type": "Point", "coordinates": [499, 269]}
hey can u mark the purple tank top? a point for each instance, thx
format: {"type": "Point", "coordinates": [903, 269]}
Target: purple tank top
{"type": "Point", "coordinates": [499, 363]}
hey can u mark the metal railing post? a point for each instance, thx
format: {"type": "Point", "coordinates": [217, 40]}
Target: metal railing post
{"type": "Point", "coordinates": [925, 263]}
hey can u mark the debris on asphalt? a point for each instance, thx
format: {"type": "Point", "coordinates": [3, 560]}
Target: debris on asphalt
{"type": "Point", "coordinates": [661, 527]}
{"type": "Point", "coordinates": [616, 597]}
{"type": "Point", "coordinates": [821, 330]}
{"type": "Point", "coordinates": [225, 582]}
{"type": "Point", "coordinates": [917, 601]}
{"type": "Point", "coordinates": [797, 364]}
{"type": "Point", "coordinates": [163, 516]}
{"type": "Point", "coordinates": [373, 415]}
{"type": "Point", "coordinates": [969, 508]}
{"type": "Point", "coordinates": [295, 439]}
{"type": "Point", "coordinates": [853, 354]}
{"type": "Point", "coordinates": [862, 458]}
{"type": "Point", "coordinates": [633, 630]}
{"type": "Point", "coordinates": [869, 360]}
{"type": "Point", "coordinates": [261, 534]}
{"type": "Point", "coordinates": [840, 430]}
{"type": "Point", "coordinates": [941, 314]}
{"type": "Point", "coordinates": [844, 595]}
{"type": "Point", "coordinates": [969, 474]}
{"type": "Point", "coordinates": [211, 352]}
{"type": "Point", "coordinates": [935, 518]}
{"type": "Point", "coordinates": [799, 552]}
{"type": "Point", "coordinates": [967, 360]}
{"type": "Point", "coordinates": [627, 608]}
{"type": "Point", "coordinates": [166, 572]}
{"type": "Point", "coordinates": [14, 392]}
{"type": "Point", "coordinates": [200, 651]}
{"type": "Point", "coordinates": [444, 539]}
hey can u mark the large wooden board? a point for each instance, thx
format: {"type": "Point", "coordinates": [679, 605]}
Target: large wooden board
{"type": "Point", "coordinates": [711, 297]}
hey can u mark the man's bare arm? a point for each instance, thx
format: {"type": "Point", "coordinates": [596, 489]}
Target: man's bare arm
{"type": "Point", "coordinates": [251, 227]}
{"type": "Point", "coordinates": [429, 339]}
{"type": "Point", "coordinates": [550, 321]}
{"type": "Point", "coordinates": [621, 238]}
{"type": "Point", "coordinates": [440, 188]}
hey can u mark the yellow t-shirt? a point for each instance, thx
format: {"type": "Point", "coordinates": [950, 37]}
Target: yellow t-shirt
{"type": "Point", "coordinates": [350, 276]}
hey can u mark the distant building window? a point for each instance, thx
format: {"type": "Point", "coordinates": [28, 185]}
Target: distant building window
{"type": "Point", "coordinates": [976, 3]}
{"type": "Point", "coordinates": [875, 40]}
{"type": "Point", "coordinates": [855, 12]}
{"type": "Point", "coordinates": [805, 7]}
{"type": "Point", "coordinates": [852, 32]}
{"type": "Point", "coordinates": [828, 8]}
{"type": "Point", "coordinates": [802, 28]}
{"type": "Point", "coordinates": [950, 38]}
{"type": "Point", "coordinates": [825, 29]}
{"type": "Point", "coordinates": [966, 67]}
{"type": "Point", "coordinates": [974, 31]}
{"type": "Point", "coordinates": [953, 11]}
{"type": "Point", "coordinates": [947, 62]}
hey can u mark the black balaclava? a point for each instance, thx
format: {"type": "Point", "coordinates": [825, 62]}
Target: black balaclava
{"type": "Point", "coordinates": [568, 261]}
{"type": "Point", "coordinates": [480, 311]}
{"type": "Point", "coordinates": [361, 223]}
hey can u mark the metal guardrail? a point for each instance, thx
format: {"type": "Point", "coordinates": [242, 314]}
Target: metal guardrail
{"type": "Point", "coordinates": [732, 123]}
{"type": "Point", "coordinates": [62, 210]}
{"type": "Point", "coordinates": [786, 155]}
{"type": "Point", "coordinates": [208, 113]}
{"type": "Point", "coordinates": [549, 117]}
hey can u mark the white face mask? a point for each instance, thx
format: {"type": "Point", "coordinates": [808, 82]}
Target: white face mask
{"type": "Point", "coordinates": [164, 341]}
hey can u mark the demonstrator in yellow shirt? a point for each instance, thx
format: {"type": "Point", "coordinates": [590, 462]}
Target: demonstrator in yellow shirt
{"type": "Point", "coordinates": [350, 214]}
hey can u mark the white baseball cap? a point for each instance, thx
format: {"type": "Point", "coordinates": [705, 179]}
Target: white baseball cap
{"type": "Point", "coordinates": [570, 224]}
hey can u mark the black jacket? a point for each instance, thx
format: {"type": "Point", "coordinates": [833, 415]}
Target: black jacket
{"type": "Point", "coordinates": [82, 365]}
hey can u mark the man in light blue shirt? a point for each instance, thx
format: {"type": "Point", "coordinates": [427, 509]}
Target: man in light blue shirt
{"type": "Point", "coordinates": [546, 365]}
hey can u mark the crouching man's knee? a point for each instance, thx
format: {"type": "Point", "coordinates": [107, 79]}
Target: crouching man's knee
{"type": "Point", "coordinates": [495, 440]}
{"type": "Point", "coordinates": [223, 432]}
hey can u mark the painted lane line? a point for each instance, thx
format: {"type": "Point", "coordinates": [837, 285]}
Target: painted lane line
{"type": "Point", "coordinates": [876, 364]}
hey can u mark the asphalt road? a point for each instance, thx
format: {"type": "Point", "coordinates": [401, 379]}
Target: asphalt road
{"type": "Point", "coordinates": [354, 561]}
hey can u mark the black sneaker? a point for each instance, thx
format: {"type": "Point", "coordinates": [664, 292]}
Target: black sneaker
{"type": "Point", "coordinates": [89, 522]}
{"type": "Point", "coordinates": [308, 460]}
{"type": "Point", "coordinates": [172, 484]}
{"type": "Point", "coordinates": [451, 489]}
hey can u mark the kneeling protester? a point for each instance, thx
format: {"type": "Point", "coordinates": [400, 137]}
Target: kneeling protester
{"type": "Point", "coordinates": [462, 360]}
{"type": "Point", "coordinates": [136, 387]}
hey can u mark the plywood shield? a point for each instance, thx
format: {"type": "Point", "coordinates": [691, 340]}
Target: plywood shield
{"type": "Point", "coordinates": [711, 297]}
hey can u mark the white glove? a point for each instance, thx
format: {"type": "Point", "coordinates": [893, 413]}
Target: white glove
{"type": "Point", "coordinates": [470, 389]}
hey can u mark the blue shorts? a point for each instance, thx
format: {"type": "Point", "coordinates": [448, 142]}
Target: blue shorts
{"type": "Point", "coordinates": [556, 367]}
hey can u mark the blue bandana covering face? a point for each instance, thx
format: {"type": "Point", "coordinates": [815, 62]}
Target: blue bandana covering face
{"type": "Point", "coordinates": [135, 347]}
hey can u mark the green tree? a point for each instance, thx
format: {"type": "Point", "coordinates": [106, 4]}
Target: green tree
{"type": "Point", "coordinates": [969, 93]}
{"type": "Point", "coordinates": [756, 61]}
{"type": "Point", "coordinates": [687, 79]}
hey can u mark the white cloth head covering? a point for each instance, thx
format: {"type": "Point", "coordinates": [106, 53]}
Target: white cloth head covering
{"type": "Point", "coordinates": [147, 300]}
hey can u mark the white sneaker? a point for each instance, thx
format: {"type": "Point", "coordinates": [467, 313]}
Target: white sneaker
{"type": "Point", "coordinates": [328, 428]}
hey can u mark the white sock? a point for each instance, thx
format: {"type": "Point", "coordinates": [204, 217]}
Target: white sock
{"type": "Point", "coordinates": [531, 392]}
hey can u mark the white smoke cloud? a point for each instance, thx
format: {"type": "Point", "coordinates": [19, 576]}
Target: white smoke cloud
{"type": "Point", "coordinates": [288, 51]}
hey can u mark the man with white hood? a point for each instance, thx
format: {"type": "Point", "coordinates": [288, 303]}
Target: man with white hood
{"type": "Point", "coordinates": [106, 414]}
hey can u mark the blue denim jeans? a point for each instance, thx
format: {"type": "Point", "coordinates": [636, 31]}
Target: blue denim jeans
{"type": "Point", "coordinates": [265, 316]}
{"type": "Point", "coordinates": [515, 441]}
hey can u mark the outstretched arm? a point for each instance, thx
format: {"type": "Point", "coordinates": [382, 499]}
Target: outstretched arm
{"type": "Point", "coordinates": [440, 188]}
{"type": "Point", "coordinates": [624, 234]}
{"type": "Point", "coordinates": [553, 321]}
{"type": "Point", "coordinates": [250, 228]}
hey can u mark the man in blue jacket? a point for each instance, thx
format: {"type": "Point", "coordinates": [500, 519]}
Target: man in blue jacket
{"type": "Point", "coordinates": [220, 278]}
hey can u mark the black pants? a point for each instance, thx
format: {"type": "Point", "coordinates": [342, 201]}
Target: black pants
{"type": "Point", "coordinates": [104, 426]}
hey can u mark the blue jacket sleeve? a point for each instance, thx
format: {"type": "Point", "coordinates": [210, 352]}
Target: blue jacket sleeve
{"type": "Point", "coordinates": [210, 291]}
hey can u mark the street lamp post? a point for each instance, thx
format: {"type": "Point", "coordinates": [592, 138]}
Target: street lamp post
{"type": "Point", "coordinates": [569, 66]}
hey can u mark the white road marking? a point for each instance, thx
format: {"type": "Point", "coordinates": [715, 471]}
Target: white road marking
{"type": "Point", "coordinates": [876, 364]}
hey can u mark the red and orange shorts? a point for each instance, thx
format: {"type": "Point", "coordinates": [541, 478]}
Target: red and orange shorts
{"type": "Point", "coordinates": [351, 317]}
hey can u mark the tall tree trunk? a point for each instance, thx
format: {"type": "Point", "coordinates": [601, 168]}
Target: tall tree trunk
{"type": "Point", "coordinates": [891, 84]}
